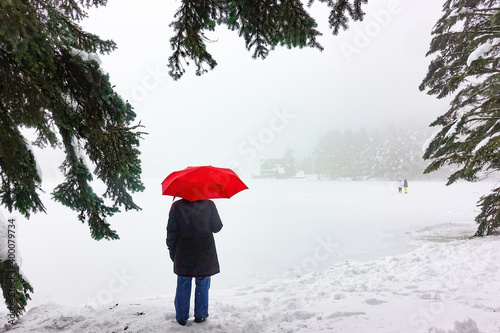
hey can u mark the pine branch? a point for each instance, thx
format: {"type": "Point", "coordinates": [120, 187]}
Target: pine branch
{"type": "Point", "coordinates": [44, 87]}
{"type": "Point", "coordinates": [77, 194]}
{"type": "Point", "coordinates": [467, 137]}
{"type": "Point", "coordinates": [15, 288]}
{"type": "Point", "coordinates": [263, 24]}
{"type": "Point", "coordinates": [489, 217]}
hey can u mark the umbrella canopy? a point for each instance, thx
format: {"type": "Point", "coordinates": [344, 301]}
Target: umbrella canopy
{"type": "Point", "coordinates": [202, 182]}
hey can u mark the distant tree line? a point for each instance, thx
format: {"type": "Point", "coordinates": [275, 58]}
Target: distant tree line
{"type": "Point", "coordinates": [391, 153]}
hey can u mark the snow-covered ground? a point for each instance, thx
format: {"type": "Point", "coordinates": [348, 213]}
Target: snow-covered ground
{"type": "Point", "coordinates": [296, 256]}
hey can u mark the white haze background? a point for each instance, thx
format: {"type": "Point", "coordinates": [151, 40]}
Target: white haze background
{"type": "Point", "coordinates": [287, 246]}
{"type": "Point", "coordinates": [247, 109]}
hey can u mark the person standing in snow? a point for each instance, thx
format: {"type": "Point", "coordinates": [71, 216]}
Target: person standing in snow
{"type": "Point", "coordinates": [405, 184]}
{"type": "Point", "coordinates": [191, 244]}
{"type": "Point", "coordinates": [400, 186]}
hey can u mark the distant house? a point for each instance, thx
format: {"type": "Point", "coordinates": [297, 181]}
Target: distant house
{"type": "Point", "coordinates": [277, 168]}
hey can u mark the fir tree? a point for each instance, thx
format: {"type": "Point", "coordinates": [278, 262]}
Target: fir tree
{"type": "Point", "coordinates": [326, 154]}
{"type": "Point", "coordinates": [263, 24]}
{"type": "Point", "coordinates": [399, 155]}
{"type": "Point", "coordinates": [51, 83]}
{"type": "Point", "coordinates": [389, 159]}
{"type": "Point", "coordinates": [466, 45]}
{"type": "Point", "coordinates": [362, 157]}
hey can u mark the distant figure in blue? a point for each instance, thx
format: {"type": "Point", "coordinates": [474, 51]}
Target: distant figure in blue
{"type": "Point", "coordinates": [191, 244]}
{"type": "Point", "coordinates": [405, 184]}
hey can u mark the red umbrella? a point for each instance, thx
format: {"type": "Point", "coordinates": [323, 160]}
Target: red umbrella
{"type": "Point", "coordinates": [202, 182]}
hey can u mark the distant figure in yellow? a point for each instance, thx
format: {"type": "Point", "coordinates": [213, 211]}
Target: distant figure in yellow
{"type": "Point", "coordinates": [405, 184]}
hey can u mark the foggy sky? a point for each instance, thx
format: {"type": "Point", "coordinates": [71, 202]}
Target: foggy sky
{"type": "Point", "coordinates": [247, 109]}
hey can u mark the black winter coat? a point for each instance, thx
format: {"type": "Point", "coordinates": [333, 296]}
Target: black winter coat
{"type": "Point", "coordinates": [190, 238]}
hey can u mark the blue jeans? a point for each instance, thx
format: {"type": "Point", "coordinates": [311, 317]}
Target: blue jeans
{"type": "Point", "coordinates": [183, 296]}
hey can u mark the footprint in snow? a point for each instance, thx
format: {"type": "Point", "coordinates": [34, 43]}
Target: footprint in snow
{"type": "Point", "coordinates": [374, 301]}
{"type": "Point", "coordinates": [344, 314]}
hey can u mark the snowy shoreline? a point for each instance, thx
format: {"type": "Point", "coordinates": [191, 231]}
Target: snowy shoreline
{"type": "Point", "coordinates": [296, 256]}
{"type": "Point", "coordinates": [441, 287]}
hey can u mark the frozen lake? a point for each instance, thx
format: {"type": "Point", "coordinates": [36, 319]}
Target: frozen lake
{"type": "Point", "coordinates": [277, 229]}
